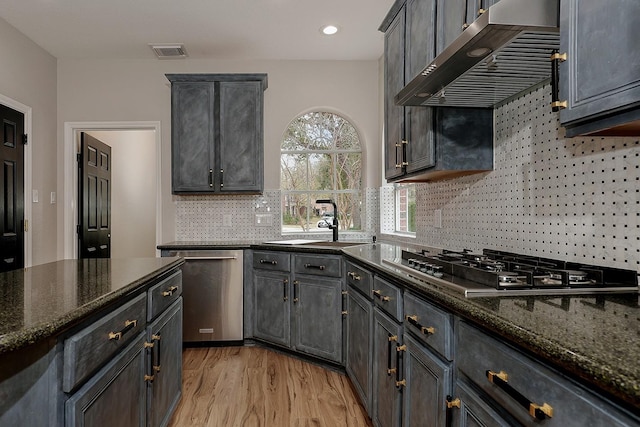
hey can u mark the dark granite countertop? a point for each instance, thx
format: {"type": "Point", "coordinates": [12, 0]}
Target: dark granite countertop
{"type": "Point", "coordinates": [593, 339]}
{"type": "Point", "coordinates": [316, 247]}
{"type": "Point", "coordinates": [40, 302]}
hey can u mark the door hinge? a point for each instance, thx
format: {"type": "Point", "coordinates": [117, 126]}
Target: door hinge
{"type": "Point", "coordinates": [78, 229]}
{"type": "Point", "coordinates": [78, 157]}
{"type": "Point", "coordinates": [25, 139]}
{"type": "Point", "coordinates": [26, 225]}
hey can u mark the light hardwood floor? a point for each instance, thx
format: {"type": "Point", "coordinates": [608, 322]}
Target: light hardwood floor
{"type": "Point", "coordinates": [253, 386]}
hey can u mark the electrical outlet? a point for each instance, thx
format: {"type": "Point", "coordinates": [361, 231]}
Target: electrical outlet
{"type": "Point", "coordinates": [264, 220]}
{"type": "Point", "coordinates": [226, 220]}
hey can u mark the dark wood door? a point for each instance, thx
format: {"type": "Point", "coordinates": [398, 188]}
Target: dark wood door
{"type": "Point", "coordinates": [12, 190]}
{"type": "Point", "coordinates": [95, 198]}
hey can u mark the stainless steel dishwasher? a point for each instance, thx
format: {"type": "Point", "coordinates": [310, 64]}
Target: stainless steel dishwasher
{"type": "Point", "coordinates": [212, 295]}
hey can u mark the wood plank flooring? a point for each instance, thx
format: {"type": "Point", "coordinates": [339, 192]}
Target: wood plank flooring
{"type": "Point", "coordinates": [257, 387]}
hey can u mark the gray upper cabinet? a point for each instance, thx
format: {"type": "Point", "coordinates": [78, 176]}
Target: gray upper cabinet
{"type": "Point", "coordinates": [424, 143]}
{"type": "Point", "coordinates": [599, 79]}
{"type": "Point", "coordinates": [217, 135]}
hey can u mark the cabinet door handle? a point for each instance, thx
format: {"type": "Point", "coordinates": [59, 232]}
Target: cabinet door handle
{"type": "Point", "coordinates": [427, 330]}
{"type": "Point", "coordinates": [149, 346]}
{"type": "Point", "coordinates": [539, 412]}
{"type": "Point", "coordinates": [221, 178]}
{"type": "Point", "coordinates": [295, 291]}
{"type": "Point", "coordinates": [210, 177]}
{"type": "Point", "coordinates": [344, 297]}
{"type": "Point", "coordinates": [128, 325]}
{"type": "Point", "coordinates": [316, 267]}
{"type": "Point", "coordinates": [266, 261]}
{"type": "Point", "coordinates": [354, 276]}
{"type": "Point", "coordinates": [169, 291]}
{"type": "Point", "coordinates": [285, 284]}
{"type": "Point", "coordinates": [156, 350]}
{"type": "Point", "coordinates": [399, 350]}
{"type": "Point", "coordinates": [378, 294]}
{"type": "Point", "coordinates": [451, 403]}
{"type": "Point", "coordinates": [391, 339]}
{"type": "Point", "coordinates": [556, 59]}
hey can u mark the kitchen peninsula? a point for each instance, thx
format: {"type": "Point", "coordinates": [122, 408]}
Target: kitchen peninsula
{"type": "Point", "coordinates": [79, 336]}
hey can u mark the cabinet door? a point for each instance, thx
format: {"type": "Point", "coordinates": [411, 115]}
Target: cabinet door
{"type": "Point", "coordinates": [359, 345]}
{"type": "Point", "coordinates": [115, 396]}
{"type": "Point", "coordinates": [387, 398]}
{"type": "Point", "coordinates": [428, 384]}
{"type": "Point", "coordinates": [317, 306]}
{"type": "Point", "coordinates": [271, 293]}
{"type": "Point", "coordinates": [600, 74]}
{"type": "Point", "coordinates": [474, 411]}
{"type": "Point", "coordinates": [241, 137]}
{"type": "Point", "coordinates": [452, 17]}
{"type": "Point", "coordinates": [419, 52]}
{"type": "Point", "coordinates": [165, 358]}
{"type": "Point", "coordinates": [393, 83]}
{"type": "Point", "coordinates": [192, 136]}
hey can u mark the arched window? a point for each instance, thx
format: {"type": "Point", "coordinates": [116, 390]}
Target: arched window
{"type": "Point", "coordinates": [321, 158]}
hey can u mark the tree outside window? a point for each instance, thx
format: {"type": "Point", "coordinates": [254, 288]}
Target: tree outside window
{"type": "Point", "coordinates": [321, 158]}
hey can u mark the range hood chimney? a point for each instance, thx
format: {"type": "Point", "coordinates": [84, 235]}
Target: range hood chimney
{"type": "Point", "coordinates": [504, 52]}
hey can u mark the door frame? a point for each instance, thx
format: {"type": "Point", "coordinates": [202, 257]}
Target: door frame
{"type": "Point", "coordinates": [70, 207]}
{"type": "Point", "coordinates": [28, 180]}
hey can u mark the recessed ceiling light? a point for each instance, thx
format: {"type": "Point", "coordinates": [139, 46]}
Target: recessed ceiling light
{"type": "Point", "coordinates": [329, 30]}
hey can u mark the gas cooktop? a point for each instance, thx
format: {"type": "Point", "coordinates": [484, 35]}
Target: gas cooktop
{"type": "Point", "coordinates": [498, 273]}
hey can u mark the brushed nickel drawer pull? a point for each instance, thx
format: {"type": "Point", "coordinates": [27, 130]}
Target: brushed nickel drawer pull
{"type": "Point", "coordinates": [266, 261]}
{"type": "Point", "coordinates": [128, 325]}
{"type": "Point", "coordinates": [316, 267]}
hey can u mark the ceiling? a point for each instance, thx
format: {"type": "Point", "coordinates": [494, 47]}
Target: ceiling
{"type": "Point", "coordinates": [219, 29]}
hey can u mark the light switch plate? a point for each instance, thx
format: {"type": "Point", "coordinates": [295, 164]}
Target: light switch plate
{"type": "Point", "coordinates": [437, 218]}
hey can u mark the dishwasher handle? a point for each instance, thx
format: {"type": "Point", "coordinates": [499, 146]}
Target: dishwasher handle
{"type": "Point", "coordinates": [209, 258]}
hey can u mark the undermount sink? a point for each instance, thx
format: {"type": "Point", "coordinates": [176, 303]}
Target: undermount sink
{"type": "Point", "coordinates": [336, 244]}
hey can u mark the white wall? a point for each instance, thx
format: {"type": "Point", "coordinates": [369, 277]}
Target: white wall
{"type": "Point", "coordinates": [28, 75]}
{"type": "Point", "coordinates": [133, 195]}
{"type": "Point", "coordinates": [137, 90]}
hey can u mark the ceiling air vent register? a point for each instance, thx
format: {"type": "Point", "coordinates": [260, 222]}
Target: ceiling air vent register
{"type": "Point", "coordinates": [169, 51]}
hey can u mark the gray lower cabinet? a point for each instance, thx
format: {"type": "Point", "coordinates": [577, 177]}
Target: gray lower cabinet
{"type": "Point", "coordinates": [116, 395]}
{"type": "Point", "coordinates": [527, 390]}
{"type": "Point", "coordinates": [359, 345]}
{"type": "Point", "coordinates": [217, 135]}
{"type": "Point", "coordinates": [387, 371]}
{"type": "Point", "coordinates": [472, 411]}
{"type": "Point", "coordinates": [599, 79]}
{"type": "Point", "coordinates": [272, 319]}
{"type": "Point", "coordinates": [141, 382]}
{"type": "Point", "coordinates": [165, 364]}
{"type": "Point", "coordinates": [428, 383]}
{"type": "Point", "coordinates": [300, 309]}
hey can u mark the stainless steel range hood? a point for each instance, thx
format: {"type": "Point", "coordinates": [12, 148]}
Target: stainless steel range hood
{"type": "Point", "coordinates": [502, 53]}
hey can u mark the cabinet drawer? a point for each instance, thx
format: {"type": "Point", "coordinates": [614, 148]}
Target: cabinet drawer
{"type": "Point", "coordinates": [360, 279]}
{"type": "Point", "coordinates": [318, 265]}
{"type": "Point", "coordinates": [431, 325]}
{"type": "Point", "coordinates": [477, 353]}
{"type": "Point", "coordinates": [388, 297]}
{"type": "Point", "coordinates": [163, 294]}
{"type": "Point", "coordinates": [88, 349]}
{"type": "Point", "coordinates": [276, 261]}
{"type": "Point", "coordinates": [116, 392]}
